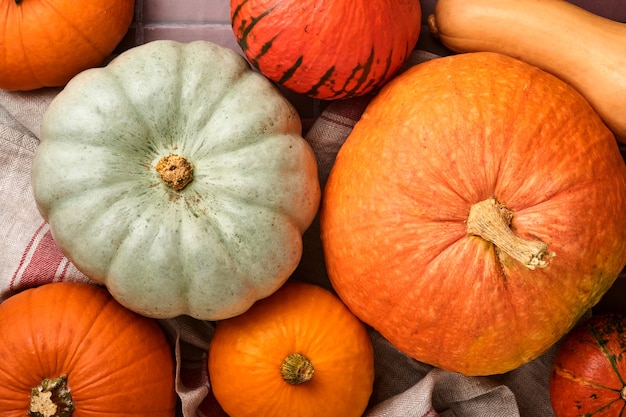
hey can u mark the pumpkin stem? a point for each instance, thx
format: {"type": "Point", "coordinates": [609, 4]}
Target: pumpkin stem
{"type": "Point", "coordinates": [51, 398]}
{"type": "Point", "coordinates": [175, 171]}
{"type": "Point", "coordinates": [18, 2]}
{"type": "Point", "coordinates": [622, 393]}
{"type": "Point", "coordinates": [491, 220]}
{"type": "Point", "coordinates": [296, 369]}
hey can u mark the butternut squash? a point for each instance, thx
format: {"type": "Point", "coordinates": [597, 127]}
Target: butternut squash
{"type": "Point", "coordinates": [586, 50]}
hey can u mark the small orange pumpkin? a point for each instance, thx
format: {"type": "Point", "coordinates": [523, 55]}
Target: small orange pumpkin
{"type": "Point", "coordinates": [71, 346]}
{"type": "Point", "coordinates": [448, 150]}
{"type": "Point", "coordinates": [327, 49]}
{"type": "Point", "coordinates": [299, 352]}
{"type": "Point", "coordinates": [45, 43]}
{"type": "Point", "coordinates": [588, 376]}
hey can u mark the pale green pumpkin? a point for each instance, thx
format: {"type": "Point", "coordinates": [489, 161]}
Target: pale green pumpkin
{"type": "Point", "coordinates": [210, 248]}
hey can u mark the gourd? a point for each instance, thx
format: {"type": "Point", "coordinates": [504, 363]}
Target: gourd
{"type": "Point", "coordinates": [299, 352]}
{"type": "Point", "coordinates": [327, 50]}
{"type": "Point", "coordinates": [475, 212]}
{"type": "Point", "coordinates": [44, 44]}
{"type": "Point", "coordinates": [69, 349]}
{"type": "Point", "coordinates": [588, 376]}
{"type": "Point", "coordinates": [177, 177]}
{"type": "Point", "coordinates": [586, 50]}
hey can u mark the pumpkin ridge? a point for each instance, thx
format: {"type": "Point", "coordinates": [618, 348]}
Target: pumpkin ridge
{"type": "Point", "coordinates": [235, 12]}
{"type": "Point", "coordinates": [75, 30]}
{"type": "Point", "coordinates": [77, 351]}
{"type": "Point", "coordinates": [364, 70]}
{"type": "Point", "coordinates": [386, 73]}
{"type": "Point", "coordinates": [315, 87]}
{"type": "Point", "coordinates": [33, 74]}
{"type": "Point", "coordinates": [605, 407]}
{"type": "Point", "coordinates": [244, 30]}
{"type": "Point", "coordinates": [264, 49]}
{"type": "Point", "coordinates": [290, 71]}
{"type": "Point", "coordinates": [111, 309]}
{"type": "Point", "coordinates": [213, 111]}
{"type": "Point", "coordinates": [584, 381]}
{"type": "Point", "coordinates": [114, 81]}
{"type": "Point", "coordinates": [602, 344]}
{"type": "Point", "coordinates": [115, 207]}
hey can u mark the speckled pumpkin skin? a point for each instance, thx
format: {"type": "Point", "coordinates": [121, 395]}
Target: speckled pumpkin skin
{"type": "Point", "coordinates": [439, 138]}
{"type": "Point", "coordinates": [232, 235]}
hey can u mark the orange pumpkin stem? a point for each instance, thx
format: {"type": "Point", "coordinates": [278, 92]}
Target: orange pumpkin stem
{"type": "Point", "coordinates": [51, 398]}
{"type": "Point", "coordinates": [175, 171]}
{"type": "Point", "coordinates": [491, 220]}
{"type": "Point", "coordinates": [297, 369]}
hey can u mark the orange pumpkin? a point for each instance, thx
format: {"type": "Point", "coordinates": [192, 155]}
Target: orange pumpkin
{"type": "Point", "coordinates": [70, 346]}
{"type": "Point", "coordinates": [45, 43]}
{"type": "Point", "coordinates": [475, 212]}
{"type": "Point", "coordinates": [298, 353]}
{"type": "Point", "coordinates": [588, 376]}
{"type": "Point", "coordinates": [306, 45]}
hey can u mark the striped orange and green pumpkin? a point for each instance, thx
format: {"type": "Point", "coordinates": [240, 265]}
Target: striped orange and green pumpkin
{"type": "Point", "coordinates": [588, 375]}
{"type": "Point", "coordinates": [327, 49]}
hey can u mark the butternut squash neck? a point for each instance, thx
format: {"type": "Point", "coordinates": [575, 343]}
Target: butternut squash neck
{"type": "Point", "coordinates": [586, 50]}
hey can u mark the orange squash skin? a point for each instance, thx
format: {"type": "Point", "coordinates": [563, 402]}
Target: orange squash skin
{"type": "Point", "coordinates": [246, 353]}
{"type": "Point", "coordinates": [116, 362]}
{"type": "Point", "coordinates": [586, 50]}
{"type": "Point", "coordinates": [46, 43]}
{"type": "Point", "coordinates": [439, 138]}
{"type": "Point", "coordinates": [588, 376]}
{"type": "Point", "coordinates": [303, 44]}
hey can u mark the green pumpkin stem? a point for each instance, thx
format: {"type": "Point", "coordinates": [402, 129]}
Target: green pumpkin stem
{"type": "Point", "coordinates": [51, 398]}
{"type": "Point", "coordinates": [296, 369]}
{"type": "Point", "coordinates": [491, 220]}
{"type": "Point", "coordinates": [175, 171]}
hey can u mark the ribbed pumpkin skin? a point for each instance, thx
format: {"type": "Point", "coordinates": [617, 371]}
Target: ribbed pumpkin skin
{"type": "Point", "coordinates": [439, 138]}
{"type": "Point", "coordinates": [45, 43]}
{"type": "Point", "coordinates": [209, 250]}
{"type": "Point", "coordinates": [327, 49]}
{"type": "Point", "coordinates": [588, 376]}
{"type": "Point", "coordinates": [246, 353]}
{"type": "Point", "coordinates": [117, 362]}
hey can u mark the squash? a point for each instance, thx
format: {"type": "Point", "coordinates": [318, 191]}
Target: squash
{"type": "Point", "coordinates": [588, 376]}
{"type": "Point", "coordinates": [44, 44]}
{"type": "Point", "coordinates": [299, 352]}
{"type": "Point", "coordinates": [586, 50]}
{"type": "Point", "coordinates": [475, 212]}
{"type": "Point", "coordinates": [327, 50]}
{"type": "Point", "coordinates": [70, 349]}
{"type": "Point", "coordinates": [177, 177]}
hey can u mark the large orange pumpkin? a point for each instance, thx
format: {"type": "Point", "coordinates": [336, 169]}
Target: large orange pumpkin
{"type": "Point", "coordinates": [588, 376]}
{"type": "Point", "coordinates": [475, 212]}
{"type": "Point", "coordinates": [327, 49]}
{"type": "Point", "coordinates": [45, 43]}
{"type": "Point", "coordinates": [298, 353]}
{"type": "Point", "coordinates": [70, 346]}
